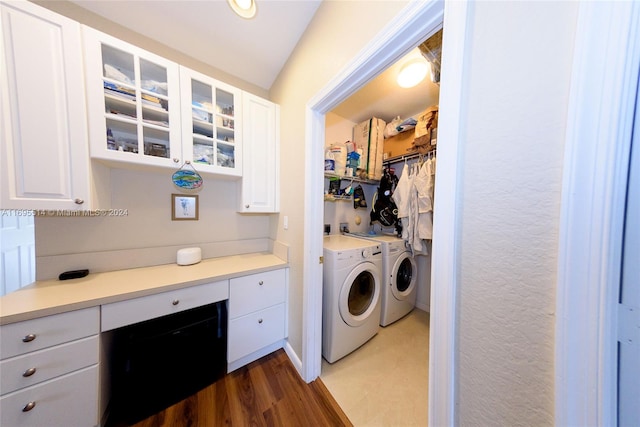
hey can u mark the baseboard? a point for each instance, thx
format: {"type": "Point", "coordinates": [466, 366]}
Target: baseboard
{"type": "Point", "coordinates": [423, 307]}
{"type": "Point", "coordinates": [293, 356]}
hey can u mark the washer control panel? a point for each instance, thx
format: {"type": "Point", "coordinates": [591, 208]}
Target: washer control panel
{"type": "Point", "coordinates": [371, 251]}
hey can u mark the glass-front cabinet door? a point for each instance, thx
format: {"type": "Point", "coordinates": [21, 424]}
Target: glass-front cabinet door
{"type": "Point", "coordinates": [211, 131]}
{"type": "Point", "coordinates": [134, 103]}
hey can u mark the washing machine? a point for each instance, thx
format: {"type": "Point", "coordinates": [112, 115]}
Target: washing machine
{"type": "Point", "coordinates": [399, 273]}
{"type": "Point", "coordinates": [351, 294]}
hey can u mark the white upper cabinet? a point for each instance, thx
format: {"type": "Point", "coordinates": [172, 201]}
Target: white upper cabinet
{"type": "Point", "coordinates": [43, 135]}
{"type": "Point", "coordinates": [133, 98]}
{"type": "Point", "coordinates": [211, 124]}
{"type": "Point", "coordinates": [260, 188]}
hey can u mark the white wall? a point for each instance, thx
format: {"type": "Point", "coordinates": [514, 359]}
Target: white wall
{"type": "Point", "coordinates": [339, 30]}
{"type": "Point", "coordinates": [338, 130]}
{"type": "Point", "coordinates": [511, 173]}
{"type": "Point", "coordinates": [146, 228]}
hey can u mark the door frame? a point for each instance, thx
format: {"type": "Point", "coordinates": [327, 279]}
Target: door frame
{"type": "Point", "coordinates": [405, 31]}
{"type": "Point", "coordinates": [599, 126]}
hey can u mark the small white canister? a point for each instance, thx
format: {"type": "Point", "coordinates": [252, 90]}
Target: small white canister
{"type": "Point", "coordinates": [188, 256]}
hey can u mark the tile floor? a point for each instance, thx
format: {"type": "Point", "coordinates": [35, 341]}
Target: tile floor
{"type": "Point", "coordinates": [385, 382]}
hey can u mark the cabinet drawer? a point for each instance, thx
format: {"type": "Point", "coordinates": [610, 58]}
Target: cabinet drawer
{"type": "Point", "coordinates": [46, 364]}
{"type": "Point", "coordinates": [255, 292]}
{"type": "Point", "coordinates": [47, 331]}
{"type": "Point", "coordinates": [66, 401]}
{"type": "Point", "coordinates": [254, 331]}
{"type": "Point", "coordinates": [136, 310]}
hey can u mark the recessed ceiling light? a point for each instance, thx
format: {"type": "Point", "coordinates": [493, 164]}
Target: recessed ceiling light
{"type": "Point", "coordinates": [412, 73]}
{"type": "Point", "coordinates": [244, 8]}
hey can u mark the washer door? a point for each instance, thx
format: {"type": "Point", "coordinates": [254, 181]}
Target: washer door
{"type": "Point", "coordinates": [403, 276]}
{"type": "Point", "coordinates": [359, 294]}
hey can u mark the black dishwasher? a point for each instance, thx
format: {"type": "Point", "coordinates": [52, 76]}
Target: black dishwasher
{"type": "Point", "coordinates": [159, 362]}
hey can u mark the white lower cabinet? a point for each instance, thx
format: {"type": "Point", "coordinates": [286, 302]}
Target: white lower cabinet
{"type": "Point", "coordinates": [38, 366]}
{"type": "Point", "coordinates": [65, 401]}
{"type": "Point", "coordinates": [257, 316]}
{"type": "Point", "coordinates": [54, 369]}
{"type": "Point", "coordinates": [128, 312]}
{"type": "Point", "coordinates": [254, 331]}
{"type": "Point", "coordinates": [49, 370]}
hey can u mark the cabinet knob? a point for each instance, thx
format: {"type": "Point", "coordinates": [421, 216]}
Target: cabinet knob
{"type": "Point", "coordinates": [29, 406]}
{"type": "Point", "coordinates": [259, 320]}
{"type": "Point", "coordinates": [261, 282]}
{"type": "Point", "coordinates": [176, 160]}
{"type": "Point", "coordinates": [78, 201]}
{"type": "Point", "coordinates": [246, 206]}
{"type": "Point", "coordinates": [175, 302]}
{"type": "Point", "coordinates": [29, 338]}
{"type": "Point", "coordinates": [29, 372]}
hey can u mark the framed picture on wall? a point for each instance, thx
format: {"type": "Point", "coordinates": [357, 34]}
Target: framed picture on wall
{"type": "Point", "coordinates": [184, 207]}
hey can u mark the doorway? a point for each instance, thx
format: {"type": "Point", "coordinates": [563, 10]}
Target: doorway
{"type": "Point", "coordinates": [389, 370]}
{"type": "Point", "coordinates": [18, 255]}
{"type": "Point", "coordinates": [403, 33]}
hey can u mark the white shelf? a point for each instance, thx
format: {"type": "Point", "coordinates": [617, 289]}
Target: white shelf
{"type": "Point", "coordinates": [334, 198]}
{"type": "Point", "coordinates": [351, 178]}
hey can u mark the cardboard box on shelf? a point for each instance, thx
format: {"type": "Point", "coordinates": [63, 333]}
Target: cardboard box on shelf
{"type": "Point", "coordinates": [399, 145]}
{"type": "Point", "coordinates": [427, 122]}
{"type": "Point", "coordinates": [368, 136]}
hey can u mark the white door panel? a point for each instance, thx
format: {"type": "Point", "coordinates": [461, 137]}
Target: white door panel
{"type": "Point", "coordinates": [17, 256]}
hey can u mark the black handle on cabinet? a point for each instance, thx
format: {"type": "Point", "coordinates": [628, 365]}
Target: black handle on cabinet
{"type": "Point", "coordinates": [29, 406]}
{"type": "Point", "coordinates": [29, 338]}
{"type": "Point", "coordinates": [29, 372]}
{"type": "Point", "coordinates": [175, 302]}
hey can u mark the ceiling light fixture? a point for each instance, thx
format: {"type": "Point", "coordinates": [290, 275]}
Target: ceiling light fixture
{"type": "Point", "coordinates": [243, 8]}
{"type": "Point", "coordinates": [413, 72]}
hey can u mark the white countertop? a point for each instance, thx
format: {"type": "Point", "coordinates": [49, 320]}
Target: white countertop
{"type": "Point", "coordinates": [47, 297]}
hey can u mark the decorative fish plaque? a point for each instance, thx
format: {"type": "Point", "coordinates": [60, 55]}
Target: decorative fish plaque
{"type": "Point", "coordinates": [187, 179]}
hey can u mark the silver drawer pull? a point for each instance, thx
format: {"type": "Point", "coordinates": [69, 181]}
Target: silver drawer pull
{"type": "Point", "coordinates": [29, 338]}
{"type": "Point", "coordinates": [259, 320]}
{"type": "Point", "coordinates": [29, 372]}
{"type": "Point", "coordinates": [261, 283]}
{"type": "Point", "coordinates": [175, 302]}
{"type": "Point", "coordinates": [29, 406]}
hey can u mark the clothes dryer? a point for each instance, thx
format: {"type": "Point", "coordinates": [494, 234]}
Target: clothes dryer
{"type": "Point", "coordinates": [399, 277]}
{"type": "Point", "coordinates": [351, 296]}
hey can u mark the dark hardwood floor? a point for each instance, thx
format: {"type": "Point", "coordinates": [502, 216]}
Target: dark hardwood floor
{"type": "Point", "coordinates": [267, 392]}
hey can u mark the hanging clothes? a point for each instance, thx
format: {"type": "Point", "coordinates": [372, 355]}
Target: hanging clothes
{"type": "Point", "coordinates": [414, 199]}
{"type": "Point", "coordinates": [424, 187]}
{"type": "Point", "coordinates": [414, 238]}
{"type": "Point", "coordinates": [401, 198]}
